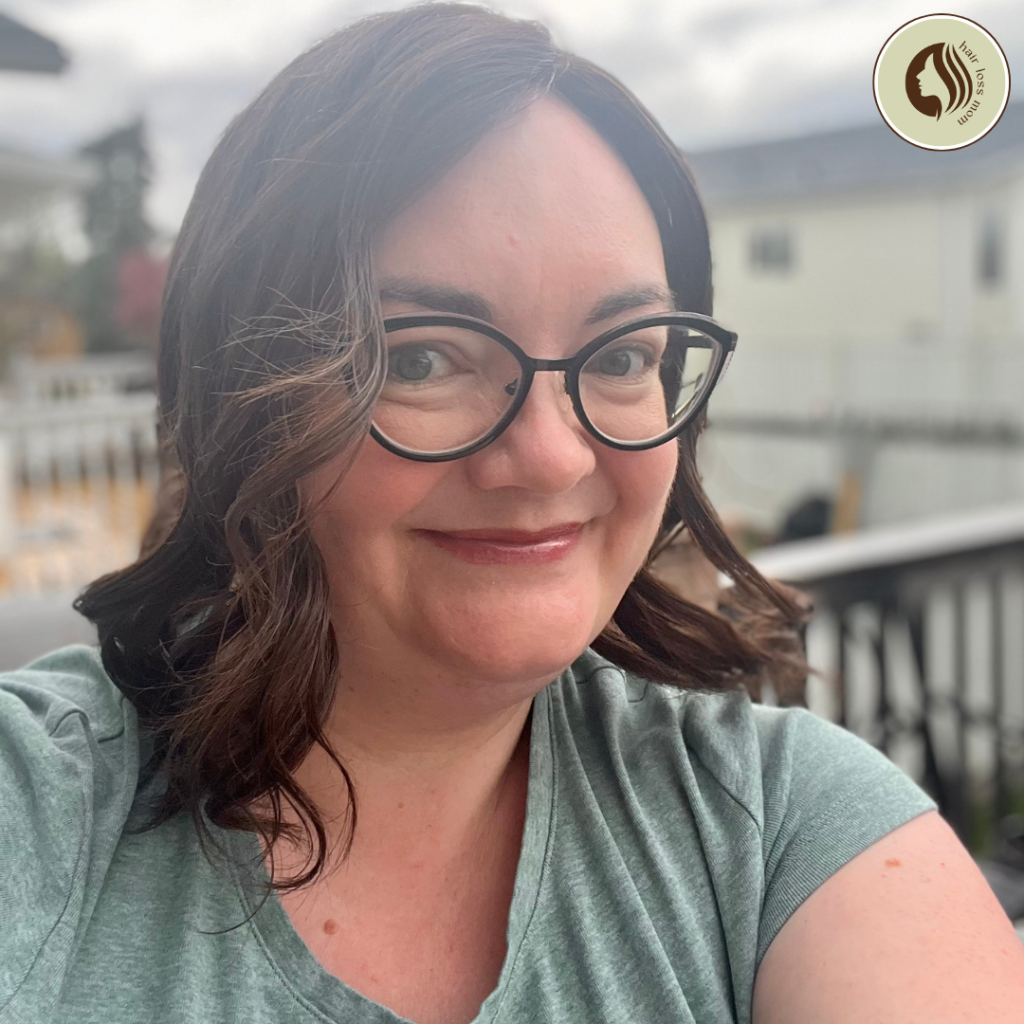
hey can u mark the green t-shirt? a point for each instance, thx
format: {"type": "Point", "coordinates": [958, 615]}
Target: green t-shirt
{"type": "Point", "coordinates": [668, 837]}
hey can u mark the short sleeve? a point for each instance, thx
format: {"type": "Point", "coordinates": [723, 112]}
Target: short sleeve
{"type": "Point", "coordinates": [68, 769]}
{"type": "Point", "coordinates": [828, 796]}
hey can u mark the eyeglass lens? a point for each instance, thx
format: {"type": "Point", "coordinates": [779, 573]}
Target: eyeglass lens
{"type": "Point", "coordinates": [448, 387]}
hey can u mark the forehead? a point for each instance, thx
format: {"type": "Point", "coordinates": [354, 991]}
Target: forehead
{"type": "Point", "coordinates": [541, 211]}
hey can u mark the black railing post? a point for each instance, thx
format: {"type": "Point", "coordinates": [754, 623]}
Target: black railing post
{"type": "Point", "coordinates": [842, 618]}
{"type": "Point", "coordinates": [961, 667]}
{"type": "Point", "coordinates": [883, 710]}
{"type": "Point", "coordinates": [999, 681]}
{"type": "Point", "coordinates": [933, 780]}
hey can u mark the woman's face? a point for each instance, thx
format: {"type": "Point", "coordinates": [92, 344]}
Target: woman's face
{"type": "Point", "coordinates": [505, 565]}
{"type": "Point", "coordinates": [930, 83]}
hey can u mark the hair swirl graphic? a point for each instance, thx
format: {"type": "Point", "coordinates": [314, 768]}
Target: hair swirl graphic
{"type": "Point", "coordinates": [938, 81]}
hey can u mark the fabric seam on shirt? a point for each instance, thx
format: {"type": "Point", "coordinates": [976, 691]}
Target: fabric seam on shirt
{"type": "Point", "coordinates": [542, 874]}
{"type": "Point", "coordinates": [728, 791]}
{"type": "Point", "coordinates": [85, 718]}
{"type": "Point", "coordinates": [78, 859]}
{"type": "Point", "coordinates": [283, 978]}
{"type": "Point", "coordinates": [49, 934]}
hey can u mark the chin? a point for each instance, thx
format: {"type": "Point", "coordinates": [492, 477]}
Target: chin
{"type": "Point", "coordinates": [512, 645]}
{"type": "Point", "coordinates": [503, 665]}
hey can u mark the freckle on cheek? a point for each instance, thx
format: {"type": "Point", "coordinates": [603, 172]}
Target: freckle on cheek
{"type": "Point", "coordinates": [892, 862]}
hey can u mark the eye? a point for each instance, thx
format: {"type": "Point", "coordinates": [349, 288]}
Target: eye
{"type": "Point", "coordinates": [625, 361]}
{"type": "Point", "coordinates": [410, 364]}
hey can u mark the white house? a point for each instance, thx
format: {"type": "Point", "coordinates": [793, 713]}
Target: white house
{"type": "Point", "coordinates": [35, 187]}
{"type": "Point", "coordinates": [878, 291]}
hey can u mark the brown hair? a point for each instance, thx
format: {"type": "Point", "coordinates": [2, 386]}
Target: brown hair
{"type": "Point", "coordinates": [954, 74]}
{"type": "Point", "coordinates": [270, 362]}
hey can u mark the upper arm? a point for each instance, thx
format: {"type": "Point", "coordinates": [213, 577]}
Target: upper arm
{"type": "Point", "coordinates": [907, 931]}
{"type": "Point", "coordinates": [67, 767]}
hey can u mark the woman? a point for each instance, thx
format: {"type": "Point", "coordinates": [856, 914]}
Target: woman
{"type": "Point", "coordinates": [434, 354]}
{"type": "Point", "coordinates": [938, 81]}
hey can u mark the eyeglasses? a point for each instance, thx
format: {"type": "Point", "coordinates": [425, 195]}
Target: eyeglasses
{"type": "Point", "coordinates": [454, 383]}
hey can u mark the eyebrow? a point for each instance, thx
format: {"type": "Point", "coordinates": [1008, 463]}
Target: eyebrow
{"type": "Point", "coordinates": [463, 303]}
{"type": "Point", "coordinates": [437, 297]}
{"type": "Point", "coordinates": [631, 298]}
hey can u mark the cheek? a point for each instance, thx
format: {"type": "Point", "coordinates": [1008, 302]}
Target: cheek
{"type": "Point", "coordinates": [379, 489]}
{"type": "Point", "coordinates": [643, 481]}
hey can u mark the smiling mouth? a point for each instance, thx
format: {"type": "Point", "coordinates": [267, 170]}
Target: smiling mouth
{"type": "Point", "coordinates": [508, 546]}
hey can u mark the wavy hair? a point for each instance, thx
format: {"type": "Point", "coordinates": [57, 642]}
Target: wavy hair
{"type": "Point", "coordinates": [271, 359]}
{"type": "Point", "coordinates": [952, 71]}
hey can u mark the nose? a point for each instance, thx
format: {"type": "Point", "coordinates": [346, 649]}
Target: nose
{"type": "Point", "coordinates": [545, 449]}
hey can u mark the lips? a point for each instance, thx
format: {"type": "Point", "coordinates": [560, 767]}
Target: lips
{"type": "Point", "coordinates": [514, 536]}
{"type": "Point", "coordinates": [508, 546]}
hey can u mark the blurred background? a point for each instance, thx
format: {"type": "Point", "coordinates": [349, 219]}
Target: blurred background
{"type": "Point", "coordinates": [867, 444]}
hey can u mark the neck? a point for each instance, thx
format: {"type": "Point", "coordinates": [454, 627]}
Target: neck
{"type": "Point", "coordinates": [415, 767]}
{"type": "Point", "coordinates": [425, 783]}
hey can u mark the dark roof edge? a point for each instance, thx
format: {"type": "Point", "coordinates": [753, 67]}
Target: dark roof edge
{"type": "Point", "coordinates": [861, 158]}
{"type": "Point", "coordinates": [24, 49]}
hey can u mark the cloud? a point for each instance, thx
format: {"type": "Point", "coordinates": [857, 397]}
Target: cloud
{"type": "Point", "coordinates": [713, 71]}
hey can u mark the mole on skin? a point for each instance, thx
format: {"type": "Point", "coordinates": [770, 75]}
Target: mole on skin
{"type": "Point", "coordinates": [892, 863]}
{"type": "Point", "coordinates": [330, 927]}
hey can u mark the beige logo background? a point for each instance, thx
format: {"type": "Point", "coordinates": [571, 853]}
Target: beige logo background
{"type": "Point", "coordinates": [959, 112]}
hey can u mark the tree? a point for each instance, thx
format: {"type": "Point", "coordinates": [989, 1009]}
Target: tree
{"type": "Point", "coordinates": [36, 279]}
{"type": "Point", "coordinates": [120, 283]}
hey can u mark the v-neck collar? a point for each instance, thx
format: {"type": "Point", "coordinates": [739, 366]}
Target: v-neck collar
{"type": "Point", "coordinates": [328, 996]}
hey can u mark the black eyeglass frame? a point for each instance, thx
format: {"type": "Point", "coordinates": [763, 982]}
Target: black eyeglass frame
{"type": "Point", "coordinates": [723, 343]}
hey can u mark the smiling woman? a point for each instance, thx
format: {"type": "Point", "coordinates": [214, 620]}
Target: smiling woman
{"type": "Point", "coordinates": [396, 724]}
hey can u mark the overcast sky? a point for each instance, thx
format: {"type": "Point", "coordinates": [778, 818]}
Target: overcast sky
{"type": "Point", "coordinates": [714, 71]}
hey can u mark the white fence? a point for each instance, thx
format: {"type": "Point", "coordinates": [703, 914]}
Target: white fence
{"type": "Point", "coordinates": [33, 381]}
{"type": "Point", "coordinates": [77, 480]}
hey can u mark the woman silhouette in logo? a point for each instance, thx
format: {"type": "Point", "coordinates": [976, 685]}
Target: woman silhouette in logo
{"type": "Point", "coordinates": [938, 81]}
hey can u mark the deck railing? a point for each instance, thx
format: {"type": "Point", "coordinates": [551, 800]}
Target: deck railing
{"type": "Point", "coordinates": [918, 646]}
{"type": "Point", "coordinates": [77, 479]}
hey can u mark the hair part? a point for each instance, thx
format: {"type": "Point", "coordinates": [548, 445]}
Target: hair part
{"type": "Point", "coordinates": [271, 359]}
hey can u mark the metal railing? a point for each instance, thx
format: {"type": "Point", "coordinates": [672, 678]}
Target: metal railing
{"type": "Point", "coordinates": [918, 647]}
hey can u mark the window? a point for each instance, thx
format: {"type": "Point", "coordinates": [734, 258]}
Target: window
{"type": "Point", "coordinates": [771, 250]}
{"type": "Point", "coordinates": [991, 252]}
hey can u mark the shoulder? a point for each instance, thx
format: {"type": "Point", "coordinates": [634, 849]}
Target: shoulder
{"type": "Point", "coordinates": [64, 724]}
{"type": "Point", "coordinates": [922, 938]}
{"type": "Point", "coordinates": [68, 770]}
{"type": "Point", "coordinates": [816, 794]}
{"type": "Point", "coordinates": [764, 756]}
{"type": "Point", "coordinates": [64, 690]}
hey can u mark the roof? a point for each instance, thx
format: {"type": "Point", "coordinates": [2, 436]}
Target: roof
{"type": "Point", "coordinates": [27, 180]}
{"type": "Point", "coordinates": [44, 173]}
{"type": "Point", "coordinates": [853, 159]}
{"type": "Point", "coordinates": [22, 49]}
